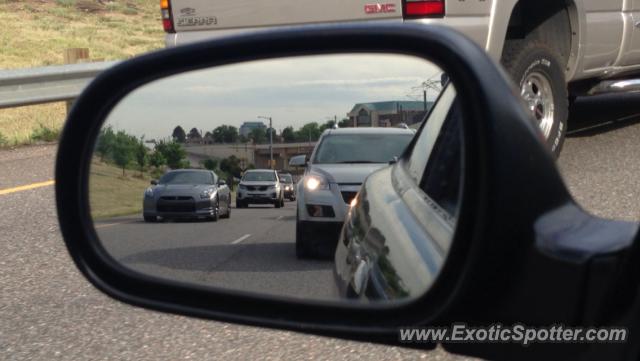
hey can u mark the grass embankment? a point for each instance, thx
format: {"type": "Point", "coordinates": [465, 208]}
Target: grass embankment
{"type": "Point", "coordinates": [36, 32]}
{"type": "Point", "coordinates": [111, 194]}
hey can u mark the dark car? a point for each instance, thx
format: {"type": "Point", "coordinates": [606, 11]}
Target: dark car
{"type": "Point", "coordinates": [289, 188]}
{"type": "Point", "coordinates": [377, 239]}
{"type": "Point", "coordinates": [187, 193]}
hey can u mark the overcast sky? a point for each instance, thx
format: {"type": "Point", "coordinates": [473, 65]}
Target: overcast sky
{"type": "Point", "coordinates": [293, 91]}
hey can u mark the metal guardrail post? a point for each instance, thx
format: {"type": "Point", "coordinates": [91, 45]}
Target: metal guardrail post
{"type": "Point", "coordinates": [73, 56]}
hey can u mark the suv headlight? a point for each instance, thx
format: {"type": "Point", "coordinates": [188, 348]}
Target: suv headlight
{"type": "Point", "coordinates": [272, 186]}
{"type": "Point", "coordinates": [314, 182]}
{"type": "Point", "coordinates": [148, 192]}
{"type": "Point", "coordinates": [242, 186]}
{"type": "Point", "coordinates": [206, 193]}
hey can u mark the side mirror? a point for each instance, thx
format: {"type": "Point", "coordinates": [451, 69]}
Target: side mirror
{"type": "Point", "coordinates": [455, 231]}
{"type": "Point", "coordinates": [154, 182]}
{"type": "Point", "coordinates": [222, 182]}
{"type": "Point", "coordinates": [298, 161]}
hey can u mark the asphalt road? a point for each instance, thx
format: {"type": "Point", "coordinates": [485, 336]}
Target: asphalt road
{"type": "Point", "coordinates": [600, 160]}
{"type": "Point", "coordinates": [253, 250]}
{"type": "Point", "coordinates": [48, 311]}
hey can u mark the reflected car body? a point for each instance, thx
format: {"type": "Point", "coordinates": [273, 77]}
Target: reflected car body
{"type": "Point", "coordinates": [260, 186]}
{"type": "Point", "coordinates": [187, 193]}
{"type": "Point", "coordinates": [289, 188]}
{"type": "Point", "coordinates": [383, 252]}
{"type": "Point", "coordinates": [398, 230]}
{"type": "Point", "coordinates": [331, 181]}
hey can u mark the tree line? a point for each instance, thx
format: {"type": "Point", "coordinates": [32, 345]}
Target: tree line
{"type": "Point", "coordinates": [129, 152]}
{"type": "Point", "coordinates": [126, 151]}
{"type": "Point", "coordinates": [309, 132]}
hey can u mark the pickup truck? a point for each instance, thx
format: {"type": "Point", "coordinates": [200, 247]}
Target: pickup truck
{"type": "Point", "coordinates": [555, 50]}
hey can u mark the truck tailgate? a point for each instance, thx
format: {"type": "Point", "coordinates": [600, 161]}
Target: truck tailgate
{"type": "Point", "coordinates": [191, 15]}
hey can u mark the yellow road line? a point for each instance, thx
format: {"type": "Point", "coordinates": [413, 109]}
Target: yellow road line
{"type": "Point", "coordinates": [26, 187]}
{"type": "Point", "coordinates": [105, 225]}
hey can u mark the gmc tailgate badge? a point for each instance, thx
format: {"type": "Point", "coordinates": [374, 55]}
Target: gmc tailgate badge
{"type": "Point", "coordinates": [379, 8]}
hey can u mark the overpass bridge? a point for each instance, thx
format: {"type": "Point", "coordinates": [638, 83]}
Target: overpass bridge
{"type": "Point", "coordinates": [256, 154]}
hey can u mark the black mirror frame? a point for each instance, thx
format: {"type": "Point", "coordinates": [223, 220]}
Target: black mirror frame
{"type": "Point", "coordinates": [446, 48]}
{"type": "Point", "coordinates": [499, 140]}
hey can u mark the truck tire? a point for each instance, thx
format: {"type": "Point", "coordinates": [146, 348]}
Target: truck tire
{"type": "Point", "coordinates": [539, 75]}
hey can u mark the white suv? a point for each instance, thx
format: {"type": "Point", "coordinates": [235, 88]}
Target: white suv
{"type": "Point", "coordinates": [260, 186]}
{"type": "Point", "coordinates": [338, 166]}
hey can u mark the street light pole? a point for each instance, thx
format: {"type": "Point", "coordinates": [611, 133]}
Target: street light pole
{"type": "Point", "coordinates": [270, 140]}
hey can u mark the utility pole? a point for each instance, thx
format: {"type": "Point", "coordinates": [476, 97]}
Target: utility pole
{"type": "Point", "coordinates": [270, 140]}
{"type": "Point", "coordinates": [424, 99]}
{"type": "Point", "coordinates": [270, 143]}
{"type": "Point", "coordinates": [429, 84]}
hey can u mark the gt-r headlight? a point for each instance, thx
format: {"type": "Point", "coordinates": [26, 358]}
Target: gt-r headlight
{"type": "Point", "coordinates": [207, 193]}
{"type": "Point", "coordinates": [314, 182]}
{"type": "Point", "coordinates": [148, 192]}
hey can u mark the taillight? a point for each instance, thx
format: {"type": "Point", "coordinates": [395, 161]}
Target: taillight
{"type": "Point", "coordinates": [167, 21]}
{"type": "Point", "coordinates": [423, 8]}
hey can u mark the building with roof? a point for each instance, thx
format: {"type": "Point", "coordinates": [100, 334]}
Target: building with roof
{"type": "Point", "coordinates": [247, 127]}
{"type": "Point", "coordinates": [388, 114]}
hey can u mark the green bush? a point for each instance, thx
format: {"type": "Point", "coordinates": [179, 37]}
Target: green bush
{"type": "Point", "coordinates": [3, 140]}
{"type": "Point", "coordinates": [173, 153]}
{"type": "Point", "coordinates": [45, 134]}
{"type": "Point", "coordinates": [157, 173]}
{"type": "Point", "coordinates": [210, 164]}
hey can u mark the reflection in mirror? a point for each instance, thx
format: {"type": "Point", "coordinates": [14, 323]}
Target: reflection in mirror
{"type": "Point", "coordinates": [278, 177]}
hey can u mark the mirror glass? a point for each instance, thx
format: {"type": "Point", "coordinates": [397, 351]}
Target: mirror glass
{"type": "Point", "coordinates": [200, 177]}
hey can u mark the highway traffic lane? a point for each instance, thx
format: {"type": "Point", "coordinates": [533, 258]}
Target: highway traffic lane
{"type": "Point", "coordinates": [254, 250]}
{"type": "Point", "coordinates": [123, 236]}
{"type": "Point", "coordinates": [600, 161]}
{"type": "Point", "coordinates": [26, 165]}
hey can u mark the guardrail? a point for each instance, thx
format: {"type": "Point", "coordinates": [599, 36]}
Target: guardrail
{"type": "Point", "coordinates": [47, 84]}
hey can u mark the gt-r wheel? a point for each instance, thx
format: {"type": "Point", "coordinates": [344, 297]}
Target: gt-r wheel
{"type": "Point", "coordinates": [216, 211]}
{"type": "Point", "coordinates": [228, 214]}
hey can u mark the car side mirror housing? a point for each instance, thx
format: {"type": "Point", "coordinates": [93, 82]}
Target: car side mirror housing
{"type": "Point", "coordinates": [298, 161]}
{"type": "Point", "coordinates": [154, 182]}
{"type": "Point", "coordinates": [520, 251]}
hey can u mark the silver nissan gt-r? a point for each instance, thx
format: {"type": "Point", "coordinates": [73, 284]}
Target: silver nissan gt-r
{"type": "Point", "coordinates": [187, 193]}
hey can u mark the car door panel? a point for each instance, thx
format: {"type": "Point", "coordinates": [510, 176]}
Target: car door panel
{"type": "Point", "coordinates": [604, 31]}
{"type": "Point", "coordinates": [630, 54]}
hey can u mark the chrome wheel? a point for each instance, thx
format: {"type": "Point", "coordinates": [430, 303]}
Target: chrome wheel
{"type": "Point", "coordinates": [537, 93]}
